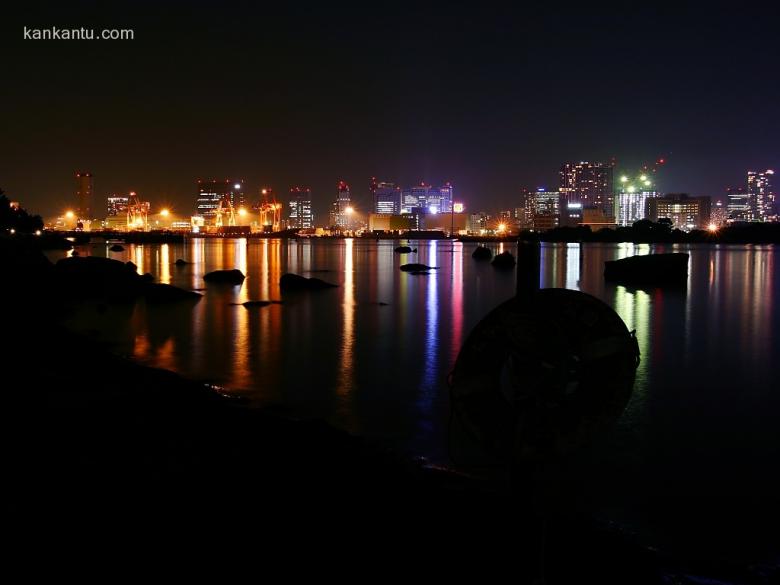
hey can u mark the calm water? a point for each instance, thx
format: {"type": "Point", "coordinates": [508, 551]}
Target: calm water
{"type": "Point", "coordinates": [702, 421]}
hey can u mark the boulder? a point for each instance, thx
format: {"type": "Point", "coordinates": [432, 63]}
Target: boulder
{"type": "Point", "coordinates": [414, 267]}
{"type": "Point", "coordinates": [181, 262]}
{"type": "Point", "coordinates": [234, 276]}
{"type": "Point", "coordinates": [504, 260]}
{"type": "Point", "coordinates": [404, 250]}
{"type": "Point", "coordinates": [293, 282]}
{"type": "Point", "coordinates": [166, 293]}
{"type": "Point", "coordinates": [482, 253]}
{"type": "Point", "coordinates": [652, 269]}
{"type": "Point", "coordinates": [117, 248]}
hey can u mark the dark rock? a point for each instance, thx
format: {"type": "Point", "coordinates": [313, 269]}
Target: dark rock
{"type": "Point", "coordinates": [649, 269]}
{"type": "Point", "coordinates": [250, 304]}
{"type": "Point", "coordinates": [482, 253]}
{"type": "Point", "coordinates": [413, 267]}
{"type": "Point", "coordinates": [94, 277]}
{"type": "Point", "coordinates": [420, 272]}
{"type": "Point", "coordinates": [292, 282]}
{"type": "Point", "coordinates": [504, 260]}
{"type": "Point", "coordinates": [147, 277]}
{"type": "Point", "coordinates": [403, 250]}
{"type": "Point", "coordinates": [117, 248]}
{"type": "Point", "coordinates": [181, 262]}
{"type": "Point", "coordinates": [225, 276]}
{"type": "Point", "coordinates": [166, 293]}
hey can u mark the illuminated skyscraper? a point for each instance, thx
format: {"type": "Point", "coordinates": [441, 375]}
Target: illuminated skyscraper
{"type": "Point", "coordinates": [738, 207]}
{"type": "Point", "coordinates": [212, 191]}
{"type": "Point", "coordinates": [341, 212]}
{"type": "Point", "coordinates": [387, 198]}
{"type": "Point", "coordinates": [718, 214]}
{"type": "Point", "coordinates": [585, 185]}
{"type": "Point", "coordinates": [431, 199]}
{"type": "Point", "coordinates": [84, 194]}
{"type": "Point", "coordinates": [301, 214]}
{"type": "Point", "coordinates": [632, 198]}
{"type": "Point", "coordinates": [546, 207]}
{"type": "Point", "coordinates": [116, 205]}
{"type": "Point", "coordinates": [762, 197]}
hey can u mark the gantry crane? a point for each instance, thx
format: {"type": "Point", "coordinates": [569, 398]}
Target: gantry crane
{"type": "Point", "coordinates": [225, 208]}
{"type": "Point", "coordinates": [136, 213]}
{"type": "Point", "coordinates": [270, 211]}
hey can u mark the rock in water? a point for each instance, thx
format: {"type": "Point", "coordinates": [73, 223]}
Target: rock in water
{"type": "Point", "coordinates": [651, 269]}
{"type": "Point", "coordinates": [117, 248]}
{"type": "Point", "coordinates": [293, 282]}
{"type": "Point", "coordinates": [417, 267]}
{"type": "Point", "coordinates": [482, 253]}
{"type": "Point", "coordinates": [403, 250]}
{"type": "Point", "coordinates": [504, 260]}
{"type": "Point", "coordinates": [234, 276]}
{"type": "Point", "coordinates": [181, 262]}
{"type": "Point", "coordinates": [165, 293]}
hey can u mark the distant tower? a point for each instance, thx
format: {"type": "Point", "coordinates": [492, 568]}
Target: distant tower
{"type": "Point", "coordinates": [301, 214]}
{"type": "Point", "coordinates": [762, 198]}
{"type": "Point", "coordinates": [585, 185]}
{"type": "Point", "coordinates": [738, 207]}
{"type": "Point", "coordinates": [342, 207]}
{"type": "Point", "coordinates": [84, 193]}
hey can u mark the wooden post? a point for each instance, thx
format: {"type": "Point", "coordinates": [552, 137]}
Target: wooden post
{"type": "Point", "coordinates": [528, 259]}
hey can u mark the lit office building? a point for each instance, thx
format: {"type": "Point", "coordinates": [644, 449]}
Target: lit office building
{"type": "Point", "coordinates": [546, 209]}
{"type": "Point", "coordinates": [84, 195]}
{"type": "Point", "coordinates": [585, 185]}
{"type": "Point", "coordinates": [738, 207]}
{"type": "Point", "coordinates": [387, 198]}
{"type": "Point", "coordinates": [116, 205]}
{"type": "Point", "coordinates": [341, 213]}
{"type": "Point", "coordinates": [301, 214]}
{"type": "Point", "coordinates": [431, 199]}
{"type": "Point", "coordinates": [718, 214]}
{"type": "Point", "coordinates": [478, 222]}
{"type": "Point", "coordinates": [762, 197]}
{"type": "Point", "coordinates": [686, 213]}
{"type": "Point", "coordinates": [211, 192]}
{"type": "Point", "coordinates": [632, 199]}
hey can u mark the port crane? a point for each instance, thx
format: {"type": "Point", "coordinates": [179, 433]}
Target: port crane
{"type": "Point", "coordinates": [225, 212]}
{"type": "Point", "coordinates": [270, 211]}
{"type": "Point", "coordinates": [137, 213]}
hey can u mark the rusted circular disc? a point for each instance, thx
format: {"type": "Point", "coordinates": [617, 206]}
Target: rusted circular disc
{"type": "Point", "coordinates": [539, 379]}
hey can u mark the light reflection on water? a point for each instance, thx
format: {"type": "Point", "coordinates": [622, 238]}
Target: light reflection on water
{"type": "Point", "coordinates": [704, 409]}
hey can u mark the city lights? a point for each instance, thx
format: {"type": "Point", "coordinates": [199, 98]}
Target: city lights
{"type": "Point", "coordinates": [69, 214]}
{"type": "Point", "coordinates": [164, 212]}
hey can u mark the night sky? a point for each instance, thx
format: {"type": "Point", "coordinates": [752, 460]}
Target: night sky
{"type": "Point", "coordinates": [492, 98]}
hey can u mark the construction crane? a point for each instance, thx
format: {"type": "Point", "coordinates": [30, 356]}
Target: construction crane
{"type": "Point", "coordinates": [224, 210]}
{"type": "Point", "coordinates": [137, 212]}
{"type": "Point", "coordinates": [270, 211]}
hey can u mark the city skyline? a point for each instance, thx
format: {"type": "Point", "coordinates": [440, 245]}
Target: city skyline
{"type": "Point", "coordinates": [498, 98]}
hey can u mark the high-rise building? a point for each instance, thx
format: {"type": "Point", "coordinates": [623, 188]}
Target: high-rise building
{"type": "Point", "coordinates": [631, 204]}
{"type": "Point", "coordinates": [739, 207]}
{"type": "Point", "coordinates": [387, 198]}
{"type": "Point", "coordinates": [116, 205]}
{"type": "Point", "coordinates": [301, 214]}
{"type": "Point", "coordinates": [428, 198]}
{"type": "Point", "coordinates": [546, 209]}
{"type": "Point", "coordinates": [213, 191]}
{"type": "Point", "coordinates": [585, 185]}
{"type": "Point", "coordinates": [762, 197]}
{"type": "Point", "coordinates": [718, 214]}
{"type": "Point", "coordinates": [341, 211]}
{"type": "Point", "coordinates": [84, 195]}
{"type": "Point", "coordinates": [686, 213]}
